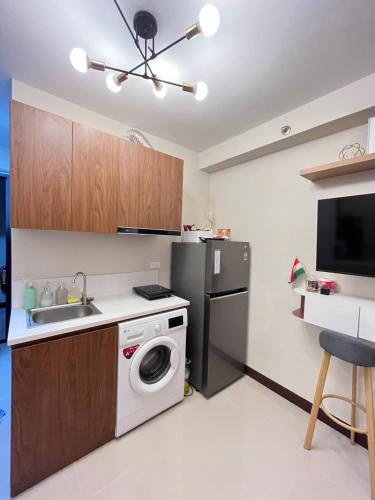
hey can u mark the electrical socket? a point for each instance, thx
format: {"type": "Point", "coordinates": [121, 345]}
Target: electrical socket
{"type": "Point", "coordinates": [154, 265]}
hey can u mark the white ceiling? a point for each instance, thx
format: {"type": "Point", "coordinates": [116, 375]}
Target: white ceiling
{"type": "Point", "coordinates": [269, 56]}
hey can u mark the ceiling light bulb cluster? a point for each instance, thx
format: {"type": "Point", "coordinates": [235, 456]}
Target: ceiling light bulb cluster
{"type": "Point", "coordinates": [145, 26]}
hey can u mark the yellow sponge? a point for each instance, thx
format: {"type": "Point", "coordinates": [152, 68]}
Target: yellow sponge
{"type": "Point", "coordinates": [73, 300]}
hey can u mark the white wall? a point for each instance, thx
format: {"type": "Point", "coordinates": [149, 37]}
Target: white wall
{"type": "Point", "coordinates": [51, 253]}
{"type": "Point", "coordinates": [341, 109]}
{"type": "Point", "coordinates": [266, 202]}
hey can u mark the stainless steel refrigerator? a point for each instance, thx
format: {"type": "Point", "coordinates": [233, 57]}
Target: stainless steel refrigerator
{"type": "Point", "coordinates": [214, 277]}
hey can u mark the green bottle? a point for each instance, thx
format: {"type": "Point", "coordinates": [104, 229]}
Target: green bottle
{"type": "Point", "coordinates": [30, 298]}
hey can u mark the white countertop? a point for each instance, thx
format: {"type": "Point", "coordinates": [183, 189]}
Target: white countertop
{"type": "Point", "coordinates": [114, 309]}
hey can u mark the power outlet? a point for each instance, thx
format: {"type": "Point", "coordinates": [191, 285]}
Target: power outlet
{"type": "Point", "coordinates": [154, 265]}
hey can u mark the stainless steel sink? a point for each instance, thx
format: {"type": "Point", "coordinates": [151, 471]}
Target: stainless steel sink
{"type": "Point", "coordinates": [38, 317]}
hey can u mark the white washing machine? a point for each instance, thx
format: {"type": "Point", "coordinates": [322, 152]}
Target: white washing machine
{"type": "Point", "coordinates": [151, 367]}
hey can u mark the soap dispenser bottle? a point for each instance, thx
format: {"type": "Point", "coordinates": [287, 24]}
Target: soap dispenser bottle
{"type": "Point", "coordinates": [61, 295]}
{"type": "Point", "coordinates": [46, 297]}
{"type": "Point", "coordinates": [30, 300]}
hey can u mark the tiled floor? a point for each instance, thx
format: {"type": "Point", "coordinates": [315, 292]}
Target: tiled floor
{"type": "Point", "coordinates": [245, 443]}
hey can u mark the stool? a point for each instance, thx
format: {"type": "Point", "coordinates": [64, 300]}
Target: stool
{"type": "Point", "coordinates": [359, 353]}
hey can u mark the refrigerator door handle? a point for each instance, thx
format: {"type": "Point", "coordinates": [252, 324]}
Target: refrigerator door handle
{"type": "Point", "coordinates": [217, 261]}
{"type": "Point", "coordinates": [227, 295]}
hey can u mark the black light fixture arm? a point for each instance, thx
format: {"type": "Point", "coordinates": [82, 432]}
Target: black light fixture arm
{"type": "Point", "coordinates": [146, 77]}
{"type": "Point", "coordinates": [135, 40]}
{"type": "Point", "coordinates": [156, 54]}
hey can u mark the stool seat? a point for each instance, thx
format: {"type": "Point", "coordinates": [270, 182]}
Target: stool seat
{"type": "Point", "coordinates": [351, 349]}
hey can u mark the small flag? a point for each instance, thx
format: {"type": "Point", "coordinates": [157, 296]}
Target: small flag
{"type": "Point", "coordinates": [297, 270]}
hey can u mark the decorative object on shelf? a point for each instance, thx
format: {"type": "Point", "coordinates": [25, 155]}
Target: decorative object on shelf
{"type": "Point", "coordinates": [145, 28]}
{"type": "Point", "coordinates": [138, 138]}
{"type": "Point", "coordinates": [351, 151]}
{"type": "Point", "coordinates": [190, 227]}
{"type": "Point", "coordinates": [371, 135]}
{"type": "Point", "coordinates": [324, 282]}
{"type": "Point", "coordinates": [312, 285]}
{"type": "Point", "coordinates": [324, 290]}
{"type": "Point", "coordinates": [210, 222]}
{"type": "Point", "coordinates": [297, 270]}
{"type": "Point", "coordinates": [224, 233]}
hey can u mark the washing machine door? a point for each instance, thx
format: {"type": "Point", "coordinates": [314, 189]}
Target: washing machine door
{"type": "Point", "coordinates": [154, 365]}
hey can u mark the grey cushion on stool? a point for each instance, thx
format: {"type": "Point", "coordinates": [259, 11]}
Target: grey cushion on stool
{"type": "Point", "coordinates": [351, 349]}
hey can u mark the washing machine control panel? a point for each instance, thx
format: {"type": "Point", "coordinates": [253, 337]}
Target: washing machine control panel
{"type": "Point", "coordinates": [175, 321]}
{"type": "Point", "coordinates": [134, 333]}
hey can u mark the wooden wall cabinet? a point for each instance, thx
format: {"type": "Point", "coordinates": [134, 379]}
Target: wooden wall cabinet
{"type": "Point", "coordinates": [94, 184]}
{"type": "Point", "coordinates": [63, 403]}
{"type": "Point", "coordinates": [41, 169]}
{"type": "Point", "coordinates": [150, 188]}
{"type": "Point", "coordinates": [68, 176]}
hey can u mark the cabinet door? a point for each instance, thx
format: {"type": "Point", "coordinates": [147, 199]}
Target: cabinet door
{"type": "Point", "coordinates": [94, 183]}
{"type": "Point", "coordinates": [173, 193]}
{"type": "Point", "coordinates": [41, 169]}
{"type": "Point", "coordinates": [150, 188]}
{"type": "Point", "coordinates": [63, 403]}
{"type": "Point", "coordinates": [366, 328]}
{"type": "Point", "coordinates": [332, 312]}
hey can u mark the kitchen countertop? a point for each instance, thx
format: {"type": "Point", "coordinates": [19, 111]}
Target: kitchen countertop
{"type": "Point", "coordinates": [114, 309]}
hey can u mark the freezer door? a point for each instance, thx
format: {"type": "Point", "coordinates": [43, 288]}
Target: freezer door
{"type": "Point", "coordinates": [226, 337]}
{"type": "Point", "coordinates": [227, 265]}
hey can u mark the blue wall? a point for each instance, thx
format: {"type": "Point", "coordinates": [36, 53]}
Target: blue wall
{"type": "Point", "coordinates": [5, 96]}
{"type": "Point", "coordinates": [2, 222]}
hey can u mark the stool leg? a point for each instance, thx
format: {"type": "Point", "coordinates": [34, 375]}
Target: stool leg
{"type": "Point", "coordinates": [370, 428]}
{"type": "Point", "coordinates": [354, 398]}
{"type": "Point", "coordinates": [317, 400]}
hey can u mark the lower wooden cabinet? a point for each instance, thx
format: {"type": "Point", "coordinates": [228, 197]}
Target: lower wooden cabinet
{"type": "Point", "coordinates": [63, 403]}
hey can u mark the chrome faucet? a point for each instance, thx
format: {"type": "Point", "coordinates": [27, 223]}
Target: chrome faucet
{"type": "Point", "coordinates": [84, 293]}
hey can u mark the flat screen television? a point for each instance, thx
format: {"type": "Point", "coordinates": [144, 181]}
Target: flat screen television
{"type": "Point", "coordinates": [346, 235]}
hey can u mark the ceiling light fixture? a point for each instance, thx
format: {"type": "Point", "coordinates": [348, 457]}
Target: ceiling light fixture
{"type": "Point", "coordinates": [81, 62]}
{"type": "Point", "coordinates": [160, 89]}
{"type": "Point", "coordinates": [145, 28]}
{"type": "Point", "coordinates": [114, 82]}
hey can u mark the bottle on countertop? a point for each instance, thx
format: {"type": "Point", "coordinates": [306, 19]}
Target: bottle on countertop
{"type": "Point", "coordinates": [30, 298]}
{"type": "Point", "coordinates": [61, 295]}
{"type": "Point", "coordinates": [46, 297]}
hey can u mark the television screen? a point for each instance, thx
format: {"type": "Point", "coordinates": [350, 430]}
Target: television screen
{"type": "Point", "coordinates": [346, 235]}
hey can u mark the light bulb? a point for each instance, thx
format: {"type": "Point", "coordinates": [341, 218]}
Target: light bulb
{"type": "Point", "coordinates": [209, 20]}
{"type": "Point", "coordinates": [113, 83]}
{"type": "Point", "coordinates": [200, 91]}
{"type": "Point", "coordinates": [160, 91]}
{"type": "Point", "coordinates": [79, 60]}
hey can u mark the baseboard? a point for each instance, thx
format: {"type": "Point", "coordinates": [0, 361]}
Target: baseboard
{"type": "Point", "coordinates": [300, 402]}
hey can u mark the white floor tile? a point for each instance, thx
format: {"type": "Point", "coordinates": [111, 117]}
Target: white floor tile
{"type": "Point", "coordinates": [244, 443]}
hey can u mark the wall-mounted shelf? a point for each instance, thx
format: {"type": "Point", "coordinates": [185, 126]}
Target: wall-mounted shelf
{"type": "Point", "coordinates": [344, 167]}
{"type": "Point", "coordinates": [354, 316]}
